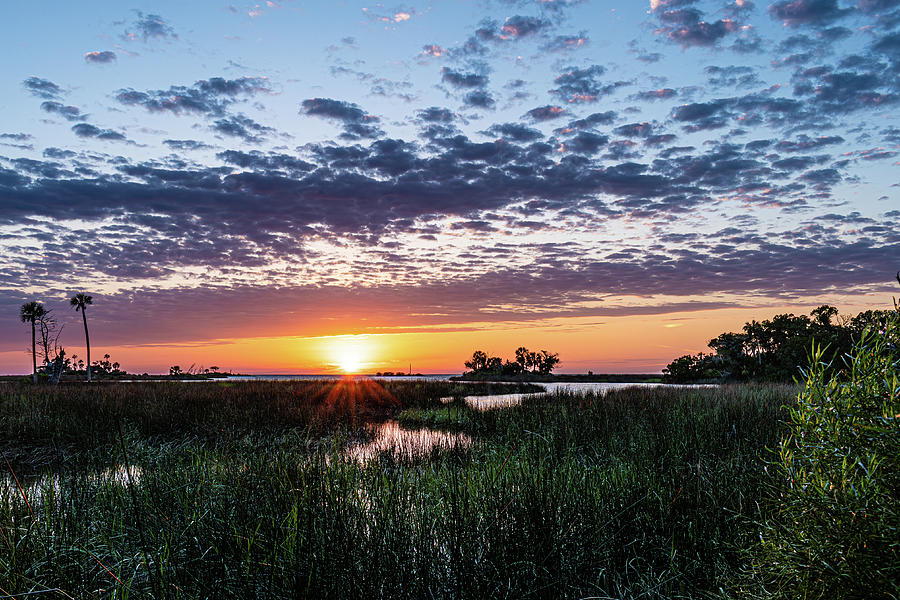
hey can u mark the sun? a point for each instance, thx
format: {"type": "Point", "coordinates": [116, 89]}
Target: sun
{"type": "Point", "coordinates": [350, 362]}
{"type": "Point", "coordinates": [350, 354]}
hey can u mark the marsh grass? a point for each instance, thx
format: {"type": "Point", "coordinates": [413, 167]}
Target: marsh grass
{"type": "Point", "coordinates": [38, 425]}
{"type": "Point", "coordinates": [639, 493]}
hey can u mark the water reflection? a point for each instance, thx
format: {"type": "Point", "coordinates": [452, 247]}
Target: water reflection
{"type": "Point", "coordinates": [406, 443]}
{"type": "Point", "coordinates": [37, 488]}
{"type": "Point", "coordinates": [495, 401]}
{"type": "Point", "coordinates": [507, 400]}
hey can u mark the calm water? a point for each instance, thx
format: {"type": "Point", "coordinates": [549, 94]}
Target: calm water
{"type": "Point", "coordinates": [37, 489]}
{"type": "Point", "coordinates": [436, 377]}
{"type": "Point", "coordinates": [390, 436]}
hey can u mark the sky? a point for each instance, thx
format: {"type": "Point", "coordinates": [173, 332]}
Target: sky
{"type": "Point", "coordinates": [278, 186]}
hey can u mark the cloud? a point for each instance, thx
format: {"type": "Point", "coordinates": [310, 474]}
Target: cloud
{"type": "Point", "coordinates": [807, 12]}
{"type": "Point", "coordinates": [805, 143]}
{"type": "Point", "coordinates": [703, 115]}
{"type": "Point", "coordinates": [335, 109]}
{"type": "Point", "coordinates": [356, 123]}
{"type": "Point", "coordinates": [266, 162]}
{"type": "Point", "coordinates": [630, 130]}
{"type": "Point", "coordinates": [560, 281]}
{"type": "Point", "coordinates": [748, 44]}
{"type": "Point", "coordinates": [206, 96]}
{"type": "Point", "coordinates": [839, 92]}
{"type": "Point", "coordinates": [436, 114]}
{"type": "Point", "coordinates": [392, 16]}
{"type": "Point", "coordinates": [599, 118]}
{"type": "Point", "coordinates": [780, 152]}
{"type": "Point", "coordinates": [98, 57]}
{"type": "Point", "coordinates": [878, 153]}
{"type": "Point", "coordinates": [186, 145]}
{"type": "Point", "coordinates": [686, 27]}
{"type": "Point", "coordinates": [766, 108]}
{"type": "Point", "coordinates": [45, 169]}
{"type": "Point", "coordinates": [795, 163]}
{"type": "Point", "coordinates": [566, 43]}
{"type": "Point", "coordinates": [659, 139]}
{"type": "Point", "coordinates": [243, 127]}
{"type": "Point", "coordinates": [70, 113]}
{"type": "Point", "coordinates": [16, 137]}
{"type": "Point", "coordinates": [479, 99]}
{"type": "Point", "coordinates": [822, 178]}
{"type": "Point", "coordinates": [577, 85]}
{"type": "Point", "coordinates": [433, 50]}
{"type": "Point", "coordinates": [463, 80]}
{"type": "Point", "coordinates": [42, 88]}
{"type": "Point", "coordinates": [586, 142]}
{"type": "Point", "coordinates": [147, 27]}
{"type": "Point", "coordinates": [660, 94]}
{"type": "Point", "coordinates": [517, 27]}
{"type": "Point", "coordinates": [86, 130]}
{"type": "Point", "coordinates": [732, 76]}
{"type": "Point", "coordinates": [515, 132]}
{"type": "Point", "coordinates": [546, 113]}
{"type": "Point", "coordinates": [58, 153]}
{"type": "Point", "coordinates": [378, 86]}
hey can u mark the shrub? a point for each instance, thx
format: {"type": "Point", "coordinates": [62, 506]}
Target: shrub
{"type": "Point", "coordinates": [834, 528]}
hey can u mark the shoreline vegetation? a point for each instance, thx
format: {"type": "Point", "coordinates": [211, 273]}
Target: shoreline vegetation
{"type": "Point", "coordinates": [563, 377]}
{"type": "Point", "coordinates": [774, 349]}
{"type": "Point", "coordinates": [75, 379]}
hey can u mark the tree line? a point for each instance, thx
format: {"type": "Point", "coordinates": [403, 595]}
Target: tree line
{"type": "Point", "coordinates": [526, 362]}
{"type": "Point", "coordinates": [45, 332]}
{"type": "Point", "coordinates": [774, 349]}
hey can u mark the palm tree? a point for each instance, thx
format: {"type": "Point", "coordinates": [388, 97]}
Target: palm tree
{"type": "Point", "coordinates": [31, 312]}
{"type": "Point", "coordinates": [80, 301]}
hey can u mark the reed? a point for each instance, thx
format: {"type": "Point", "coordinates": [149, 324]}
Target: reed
{"type": "Point", "coordinates": [640, 493]}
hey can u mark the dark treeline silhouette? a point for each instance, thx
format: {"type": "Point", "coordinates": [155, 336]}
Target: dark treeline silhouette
{"type": "Point", "coordinates": [45, 332]}
{"type": "Point", "coordinates": [526, 362]}
{"type": "Point", "coordinates": [774, 350]}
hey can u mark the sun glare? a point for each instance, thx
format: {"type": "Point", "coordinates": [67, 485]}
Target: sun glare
{"type": "Point", "coordinates": [350, 353]}
{"type": "Point", "coordinates": [350, 363]}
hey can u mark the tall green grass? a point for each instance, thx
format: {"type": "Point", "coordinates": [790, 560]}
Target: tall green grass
{"type": "Point", "coordinates": [641, 493]}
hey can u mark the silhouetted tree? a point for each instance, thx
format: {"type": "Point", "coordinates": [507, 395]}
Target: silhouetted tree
{"type": "Point", "coordinates": [774, 349]}
{"type": "Point", "coordinates": [30, 313]}
{"type": "Point", "coordinates": [55, 361]}
{"type": "Point", "coordinates": [547, 361]}
{"type": "Point", "coordinates": [511, 368]}
{"type": "Point", "coordinates": [494, 364]}
{"type": "Point", "coordinates": [79, 301]}
{"type": "Point", "coordinates": [522, 357]}
{"type": "Point", "coordinates": [104, 366]}
{"type": "Point", "coordinates": [542, 361]}
{"type": "Point", "coordinates": [478, 361]}
{"type": "Point", "coordinates": [823, 314]}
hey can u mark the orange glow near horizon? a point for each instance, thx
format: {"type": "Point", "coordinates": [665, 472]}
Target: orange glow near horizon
{"type": "Point", "coordinates": [626, 344]}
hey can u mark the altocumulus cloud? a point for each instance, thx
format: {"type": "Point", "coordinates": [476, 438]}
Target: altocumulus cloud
{"type": "Point", "coordinates": [100, 57]}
